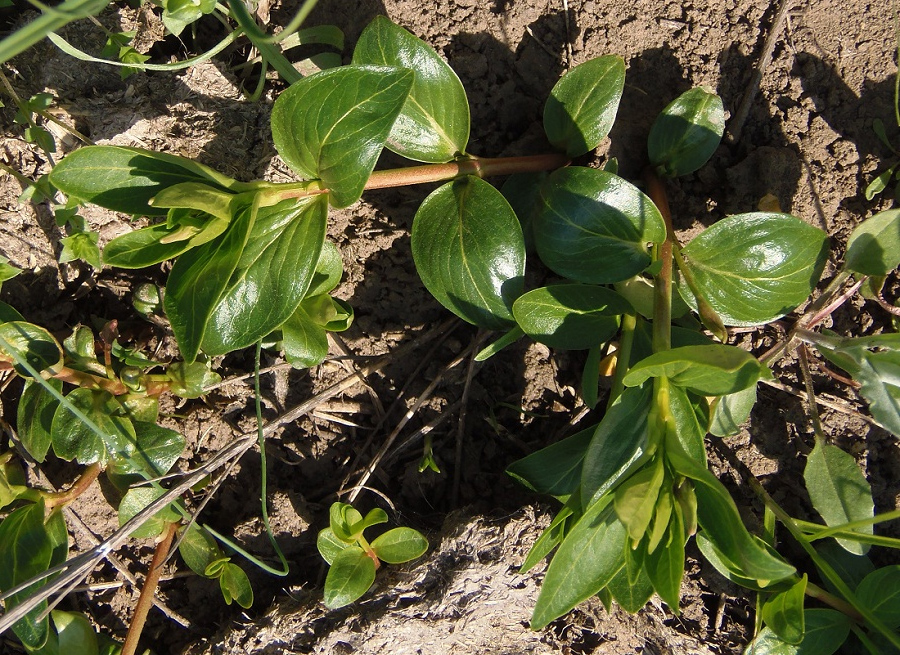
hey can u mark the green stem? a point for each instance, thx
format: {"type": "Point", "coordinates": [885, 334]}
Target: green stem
{"type": "Point", "coordinates": [623, 357]}
{"type": "Point", "coordinates": [815, 591]}
{"type": "Point", "coordinates": [49, 21]}
{"type": "Point", "coordinates": [662, 282]}
{"type": "Point", "coordinates": [261, 40]}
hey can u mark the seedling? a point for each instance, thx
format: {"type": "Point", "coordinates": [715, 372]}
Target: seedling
{"type": "Point", "coordinates": [353, 560]}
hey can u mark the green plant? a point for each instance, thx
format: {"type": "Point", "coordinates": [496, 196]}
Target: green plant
{"type": "Point", "coordinates": [353, 560]}
{"type": "Point", "coordinates": [252, 265]}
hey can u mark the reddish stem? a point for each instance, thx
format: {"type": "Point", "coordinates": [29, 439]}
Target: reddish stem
{"type": "Point", "coordinates": [81, 485]}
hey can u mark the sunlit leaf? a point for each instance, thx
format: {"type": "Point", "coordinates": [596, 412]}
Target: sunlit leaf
{"type": "Point", "coordinates": [76, 634]}
{"type": "Point", "coordinates": [874, 245]}
{"type": "Point", "coordinates": [783, 613]}
{"type": "Point", "coordinates": [328, 545]}
{"type": "Point", "coordinates": [73, 439]}
{"type": "Point", "coordinates": [21, 340]}
{"type": "Point", "coordinates": [400, 545]}
{"type": "Point", "coordinates": [686, 133]}
{"type": "Point", "coordinates": [235, 585]}
{"type": "Point", "coordinates": [351, 574]}
{"type": "Point", "coordinates": [35, 417]}
{"type": "Point", "coordinates": [137, 499]}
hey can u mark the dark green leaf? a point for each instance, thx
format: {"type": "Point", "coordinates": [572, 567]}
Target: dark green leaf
{"type": "Point", "coordinates": [754, 268]}
{"type": "Point", "coordinates": [21, 340]}
{"type": "Point", "coordinates": [305, 342]}
{"type": "Point", "coordinates": [874, 246]}
{"type": "Point", "coordinates": [157, 450]}
{"type": "Point", "coordinates": [198, 549]}
{"type": "Point", "coordinates": [556, 469]}
{"type": "Point", "coordinates": [523, 193]}
{"type": "Point", "coordinates": [880, 593]}
{"type": "Point", "coordinates": [730, 411]}
{"type": "Point", "coordinates": [631, 587]}
{"type": "Point", "coordinates": [732, 571]}
{"type": "Point", "coordinates": [329, 545]}
{"type": "Point", "coordinates": [125, 179]}
{"type": "Point", "coordinates": [826, 630]}
{"type": "Point", "coordinates": [582, 106]}
{"type": "Point", "coordinates": [235, 585]}
{"type": "Point", "coordinates": [665, 565]}
{"type": "Point", "coordinates": [783, 613]}
{"type": "Point", "coordinates": [329, 270]}
{"type": "Point", "coordinates": [619, 445]}
{"type": "Point", "coordinates": [272, 276]}
{"type": "Point", "coordinates": [588, 559]}
{"type": "Point", "coordinates": [35, 417]}
{"type": "Point", "coordinates": [468, 248]}
{"type": "Point", "coordinates": [137, 499]}
{"type": "Point", "coordinates": [686, 133]}
{"type": "Point", "coordinates": [593, 226]}
{"type": "Point", "coordinates": [191, 380]}
{"type": "Point", "coordinates": [711, 370]}
{"type": "Point", "coordinates": [433, 125]}
{"type": "Point", "coordinates": [570, 316]}
{"type": "Point", "coordinates": [350, 576]}
{"type": "Point", "coordinates": [140, 248]}
{"type": "Point", "coordinates": [400, 545]}
{"type": "Point", "coordinates": [73, 439]}
{"type": "Point", "coordinates": [25, 551]}
{"type": "Point", "coordinates": [8, 313]}
{"type": "Point", "coordinates": [76, 634]}
{"type": "Point", "coordinates": [839, 491]}
{"type": "Point", "coordinates": [333, 125]}
{"type": "Point", "coordinates": [199, 280]}
{"type": "Point", "coordinates": [851, 568]}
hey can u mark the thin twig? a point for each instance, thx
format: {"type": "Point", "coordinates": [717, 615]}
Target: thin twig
{"type": "Point", "coordinates": [821, 401]}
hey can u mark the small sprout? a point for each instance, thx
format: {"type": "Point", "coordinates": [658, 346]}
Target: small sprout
{"type": "Point", "coordinates": [147, 299]}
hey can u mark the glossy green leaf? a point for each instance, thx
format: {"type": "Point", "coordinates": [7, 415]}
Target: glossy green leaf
{"type": "Point", "coordinates": [635, 498]}
{"type": "Point", "coordinates": [631, 587]}
{"type": "Point", "coordinates": [235, 586]}
{"type": "Point", "coordinates": [124, 179]}
{"type": "Point", "coordinates": [874, 246]}
{"type": "Point", "coordinates": [274, 271]}
{"type": "Point", "coordinates": [686, 133]}
{"type": "Point", "coordinates": [469, 251]}
{"type": "Point", "coordinates": [570, 316]}
{"type": "Point", "coordinates": [732, 571]}
{"type": "Point", "coordinates": [556, 469]}
{"type": "Point", "coordinates": [582, 106]}
{"type": "Point", "coordinates": [156, 451]}
{"type": "Point", "coordinates": [137, 499]}
{"type": "Point", "coordinates": [196, 196]}
{"type": "Point", "coordinates": [72, 439]}
{"type": "Point", "coordinates": [400, 545]}
{"type": "Point", "coordinates": [191, 380]}
{"type": "Point", "coordinates": [665, 565]}
{"type": "Point", "coordinates": [587, 560]}
{"type": "Point", "coordinates": [754, 268]}
{"type": "Point", "coordinates": [731, 411]}
{"type": "Point", "coordinates": [35, 417]}
{"type": "Point", "coordinates": [375, 516]}
{"type": "Point", "coordinates": [342, 518]}
{"type": "Point", "coordinates": [140, 248]}
{"type": "Point", "coordinates": [333, 125]}
{"type": "Point", "coordinates": [9, 313]}
{"type": "Point", "coordinates": [593, 226]}
{"type": "Point", "coordinates": [826, 630]}
{"type": "Point", "coordinates": [76, 634]}
{"type": "Point", "coordinates": [200, 278]}
{"type": "Point", "coordinates": [783, 613]}
{"type": "Point", "coordinates": [711, 370]}
{"type": "Point", "coordinates": [350, 576]}
{"type": "Point", "coordinates": [305, 342]}
{"type": "Point", "coordinates": [328, 545]}
{"type": "Point", "coordinates": [198, 549]}
{"type": "Point", "coordinates": [690, 420]}
{"type": "Point", "coordinates": [619, 445]}
{"type": "Point", "coordinates": [523, 193]}
{"type": "Point", "coordinates": [34, 344]}
{"type": "Point", "coordinates": [25, 551]}
{"type": "Point", "coordinates": [433, 125]}
{"type": "Point", "coordinates": [329, 270]}
{"type": "Point", "coordinates": [718, 516]}
{"type": "Point", "coordinates": [880, 592]}
{"type": "Point", "coordinates": [332, 314]}
{"type": "Point", "coordinates": [839, 491]}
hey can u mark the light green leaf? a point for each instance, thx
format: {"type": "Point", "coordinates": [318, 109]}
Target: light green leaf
{"type": "Point", "coordinates": [329, 270]}
{"type": "Point", "coordinates": [73, 439]}
{"type": "Point", "coordinates": [375, 516]}
{"type": "Point", "coordinates": [333, 125]}
{"type": "Point", "coordinates": [125, 179]}
{"type": "Point", "coordinates": [874, 246]}
{"type": "Point", "coordinates": [582, 106]}
{"type": "Point", "coordinates": [690, 420]}
{"type": "Point", "coordinates": [235, 585]}
{"type": "Point", "coordinates": [273, 274]}
{"type": "Point", "coordinates": [731, 411]}
{"type": "Point", "coordinates": [665, 565]}
{"type": "Point", "coordinates": [140, 248]}
{"type": "Point", "coordinates": [593, 226]}
{"type": "Point", "coordinates": [469, 251]}
{"type": "Point", "coordinates": [433, 125]}
{"type": "Point", "coordinates": [635, 498]}
{"type": "Point", "coordinates": [12, 482]}
{"type": "Point", "coordinates": [619, 445]}
{"type": "Point", "coordinates": [156, 451]}
{"type": "Point", "coordinates": [76, 634]}
{"type": "Point", "coordinates": [329, 545]}
{"type": "Point", "coordinates": [783, 613]}
{"type": "Point", "coordinates": [587, 560]}
{"type": "Point", "coordinates": [199, 280]}
{"type": "Point", "coordinates": [686, 133]}
{"type": "Point", "coordinates": [880, 592]}
{"type": "Point", "coordinates": [191, 380]}
{"type": "Point", "coordinates": [549, 539]}
{"type": "Point", "coordinates": [879, 183]}
{"type": "Point", "coordinates": [839, 491]}
{"type": "Point", "coordinates": [34, 344]}
{"type": "Point", "coordinates": [35, 417]}
{"type": "Point", "coordinates": [305, 342]}
{"type": "Point", "coordinates": [711, 370]}
{"type": "Point", "coordinates": [556, 469]}
{"type": "Point", "coordinates": [81, 245]}
{"type": "Point", "coordinates": [754, 268]}
{"type": "Point", "coordinates": [350, 576]}
{"type": "Point", "coordinates": [197, 196]}
{"type": "Point", "coordinates": [400, 545]}
{"type": "Point", "coordinates": [198, 549]}
{"type": "Point", "coordinates": [631, 587]}
{"type": "Point", "coordinates": [137, 499]}
{"type": "Point", "coordinates": [570, 316]}
{"type": "Point", "coordinates": [7, 270]}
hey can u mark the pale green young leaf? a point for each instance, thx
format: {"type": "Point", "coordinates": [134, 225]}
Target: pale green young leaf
{"type": "Point", "coordinates": [342, 517]}
{"type": "Point", "coordinates": [635, 498]}
{"type": "Point", "coordinates": [351, 574]}
{"type": "Point", "coordinates": [731, 411]}
{"type": "Point", "coordinates": [191, 380]}
{"type": "Point", "coordinates": [375, 516]}
{"type": "Point", "coordinates": [198, 549]}
{"type": "Point", "coordinates": [197, 196]}
{"type": "Point", "coordinates": [235, 585]}
{"type": "Point", "coordinates": [333, 125]}
{"type": "Point", "coordinates": [783, 613]}
{"type": "Point", "coordinates": [556, 469]}
{"type": "Point", "coordinates": [7, 270]}
{"type": "Point", "coordinates": [433, 125]}
{"type": "Point", "coordinates": [839, 491]}
{"type": "Point", "coordinates": [690, 422]}
{"type": "Point", "coordinates": [582, 106]}
{"type": "Point", "coordinates": [328, 545]}
{"type": "Point", "coordinates": [400, 545]}
{"type": "Point", "coordinates": [468, 248]}
{"type": "Point", "coordinates": [874, 245]}
{"type": "Point", "coordinates": [587, 560]}
{"type": "Point", "coordinates": [13, 485]}
{"type": "Point", "coordinates": [593, 226]}
{"type": "Point", "coordinates": [329, 270]}
{"type": "Point", "coordinates": [81, 245]}
{"type": "Point", "coordinates": [754, 268]}
{"type": "Point", "coordinates": [35, 417]}
{"type": "Point", "coordinates": [687, 132]}
{"type": "Point", "coordinates": [665, 565]}
{"type": "Point", "coordinates": [570, 316]}
{"type": "Point", "coordinates": [143, 247]}
{"type": "Point", "coordinates": [879, 183]}
{"type": "Point", "coordinates": [712, 370]}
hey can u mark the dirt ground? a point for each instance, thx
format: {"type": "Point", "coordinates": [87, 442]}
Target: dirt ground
{"type": "Point", "coordinates": [806, 138]}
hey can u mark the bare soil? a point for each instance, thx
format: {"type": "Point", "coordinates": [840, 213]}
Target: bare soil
{"type": "Point", "coordinates": [806, 139]}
